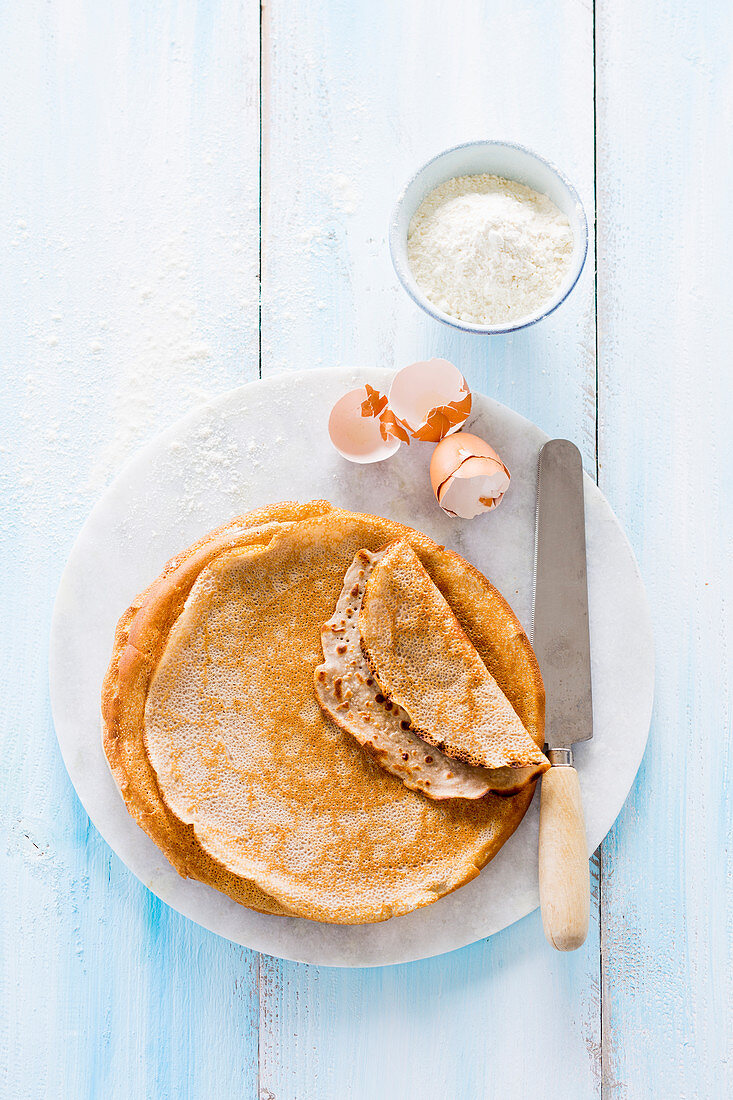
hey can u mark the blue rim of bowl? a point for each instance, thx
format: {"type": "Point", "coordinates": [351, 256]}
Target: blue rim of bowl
{"type": "Point", "coordinates": [424, 303]}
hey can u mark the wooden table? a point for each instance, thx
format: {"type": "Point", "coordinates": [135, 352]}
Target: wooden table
{"type": "Point", "coordinates": [195, 194]}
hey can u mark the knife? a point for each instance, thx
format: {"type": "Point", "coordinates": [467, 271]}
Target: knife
{"type": "Point", "coordinates": [562, 645]}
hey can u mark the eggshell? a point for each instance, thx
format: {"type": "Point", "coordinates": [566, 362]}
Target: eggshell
{"type": "Point", "coordinates": [357, 435]}
{"type": "Point", "coordinates": [467, 476]}
{"type": "Point", "coordinates": [430, 399]}
{"type": "Point", "coordinates": [389, 425]}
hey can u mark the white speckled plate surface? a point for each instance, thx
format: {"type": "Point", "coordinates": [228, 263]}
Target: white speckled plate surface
{"type": "Point", "coordinates": [267, 442]}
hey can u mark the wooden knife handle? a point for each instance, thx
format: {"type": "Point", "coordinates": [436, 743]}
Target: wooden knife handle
{"type": "Point", "coordinates": [564, 873]}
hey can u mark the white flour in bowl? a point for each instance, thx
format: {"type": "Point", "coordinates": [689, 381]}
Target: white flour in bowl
{"type": "Point", "coordinates": [487, 250]}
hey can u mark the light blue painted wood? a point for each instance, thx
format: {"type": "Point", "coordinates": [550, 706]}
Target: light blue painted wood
{"type": "Point", "coordinates": [666, 454]}
{"type": "Point", "coordinates": [129, 201]}
{"type": "Point", "coordinates": [353, 103]}
{"type": "Point", "coordinates": [128, 288]}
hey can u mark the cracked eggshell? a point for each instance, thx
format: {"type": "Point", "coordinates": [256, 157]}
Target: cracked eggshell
{"type": "Point", "coordinates": [467, 476]}
{"type": "Point", "coordinates": [357, 436]}
{"type": "Point", "coordinates": [430, 399]}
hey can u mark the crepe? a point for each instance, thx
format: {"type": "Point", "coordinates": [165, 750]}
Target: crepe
{"type": "Point", "coordinates": [140, 639]}
{"type": "Point", "coordinates": [349, 693]}
{"type": "Point", "coordinates": [390, 672]}
{"type": "Point", "coordinates": [426, 665]}
{"type": "Point", "coordinates": [258, 782]}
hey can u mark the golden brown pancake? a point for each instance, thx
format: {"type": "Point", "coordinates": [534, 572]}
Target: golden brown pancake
{"type": "Point", "coordinates": [350, 695]}
{"type": "Point", "coordinates": [426, 665]}
{"type": "Point", "coordinates": [258, 787]}
{"type": "Point", "coordinates": [140, 639]}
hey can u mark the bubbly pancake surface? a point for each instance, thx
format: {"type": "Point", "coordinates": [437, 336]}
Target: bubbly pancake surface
{"type": "Point", "coordinates": [426, 664]}
{"type": "Point", "coordinates": [350, 695]}
{"type": "Point", "coordinates": [273, 793]}
{"type": "Point", "coordinates": [140, 638]}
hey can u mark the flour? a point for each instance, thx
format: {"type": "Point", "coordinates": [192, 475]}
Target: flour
{"type": "Point", "coordinates": [346, 195]}
{"type": "Point", "coordinates": [488, 250]}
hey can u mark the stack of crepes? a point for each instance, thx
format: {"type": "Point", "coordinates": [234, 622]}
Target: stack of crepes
{"type": "Point", "coordinates": [231, 761]}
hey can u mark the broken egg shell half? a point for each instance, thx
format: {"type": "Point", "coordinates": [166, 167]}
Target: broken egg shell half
{"type": "Point", "coordinates": [467, 476]}
{"type": "Point", "coordinates": [356, 437]}
{"type": "Point", "coordinates": [431, 398]}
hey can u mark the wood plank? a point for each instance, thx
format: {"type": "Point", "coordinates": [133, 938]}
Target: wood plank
{"type": "Point", "coordinates": [130, 236]}
{"type": "Point", "coordinates": [665, 115]}
{"type": "Point", "coordinates": [355, 98]}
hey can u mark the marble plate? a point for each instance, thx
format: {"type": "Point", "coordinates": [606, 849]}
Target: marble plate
{"type": "Point", "coordinates": [266, 442]}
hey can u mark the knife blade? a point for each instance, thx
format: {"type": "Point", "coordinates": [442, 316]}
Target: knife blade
{"type": "Point", "coordinates": [561, 640]}
{"type": "Point", "coordinates": [560, 634]}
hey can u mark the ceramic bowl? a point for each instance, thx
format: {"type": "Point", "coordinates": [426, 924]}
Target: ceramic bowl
{"type": "Point", "coordinates": [496, 158]}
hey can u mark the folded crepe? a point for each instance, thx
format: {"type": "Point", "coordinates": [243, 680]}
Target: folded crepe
{"type": "Point", "coordinates": [225, 757]}
{"type": "Point", "coordinates": [140, 639]}
{"type": "Point", "coordinates": [349, 693]}
{"type": "Point", "coordinates": [426, 665]}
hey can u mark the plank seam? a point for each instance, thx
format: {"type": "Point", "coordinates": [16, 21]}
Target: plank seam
{"type": "Point", "coordinates": [599, 853]}
{"type": "Point", "coordinates": [259, 1027]}
{"type": "Point", "coordinates": [261, 97]}
{"type": "Point", "coordinates": [259, 208]}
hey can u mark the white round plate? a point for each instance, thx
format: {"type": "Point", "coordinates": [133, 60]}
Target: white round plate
{"type": "Point", "coordinates": [267, 442]}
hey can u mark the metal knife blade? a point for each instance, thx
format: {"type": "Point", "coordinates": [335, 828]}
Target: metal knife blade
{"type": "Point", "coordinates": [560, 621]}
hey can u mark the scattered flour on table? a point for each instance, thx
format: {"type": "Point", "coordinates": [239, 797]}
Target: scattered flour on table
{"type": "Point", "coordinates": [346, 196]}
{"type": "Point", "coordinates": [487, 250]}
{"type": "Point", "coordinates": [207, 464]}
